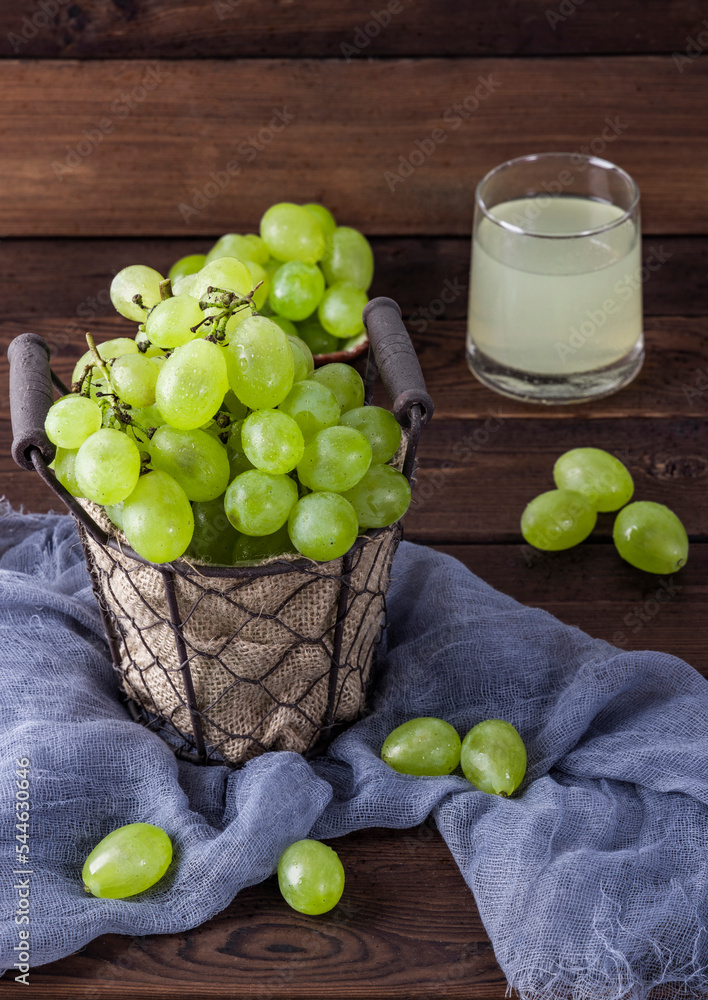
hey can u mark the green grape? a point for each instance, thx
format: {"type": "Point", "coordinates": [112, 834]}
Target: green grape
{"type": "Point", "coordinates": [109, 349]}
{"type": "Point", "coordinates": [260, 363]}
{"type": "Point", "coordinates": [344, 381]}
{"type": "Point", "coordinates": [323, 526]}
{"type": "Point", "coordinates": [191, 385]}
{"type": "Point", "coordinates": [246, 248]}
{"type": "Point", "coordinates": [313, 406]}
{"type": "Point", "coordinates": [316, 337]}
{"type": "Point", "coordinates": [148, 416]}
{"type": "Point", "coordinates": [171, 323]}
{"type": "Point", "coordinates": [649, 536]}
{"type": "Point", "coordinates": [65, 470]}
{"type": "Point", "coordinates": [144, 346]}
{"type": "Point", "coordinates": [600, 477]}
{"type": "Point", "coordinates": [107, 466]}
{"type": "Point", "coordinates": [310, 877]}
{"type": "Point", "coordinates": [291, 233]}
{"type": "Point", "coordinates": [296, 290]}
{"type": "Point", "coordinates": [131, 281]}
{"type": "Point", "coordinates": [114, 513]}
{"type": "Point", "coordinates": [340, 311]}
{"type": "Point", "coordinates": [334, 459]}
{"type": "Point", "coordinates": [214, 535]}
{"type": "Point", "coordinates": [71, 420]}
{"type": "Point", "coordinates": [348, 258]}
{"type": "Point", "coordinates": [381, 497]}
{"type": "Point", "coordinates": [185, 284]}
{"type": "Point", "coordinates": [234, 406]}
{"type": "Point", "coordinates": [225, 273]}
{"type": "Point", "coordinates": [185, 266]}
{"type": "Point", "coordinates": [558, 519]}
{"type": "Point", "coordinates": [424, 746]}
{"type": "Point", "coordinates": [133, 378]}
{"type": "Point", "coordinates": [494, 757]}
{"type": "Point", "coordinates": [194, 459]}
{"type": "Point", "coordinates": [129, 860]}
{"type": "Point", "coordinates": [255, 548]}
{"type": "Point", "coordinates": [272, 441]}
{"type": "Point", "coordinates": [259, 274]}
{"type": "Point", "coordinates": [258, 503]}
{"type": "Point", "coordinates": [323, 216]}
{"type": "Point", "coordinates": [271, 266]}
{"type": "Point", "coordinates": [302, 355]}
{"type": "Point", "coordinates": [238, 462]}
{"type": "Point", "coordinates": [157, 518]}
{"type": "Point", "coordinates": [379, 426]}
{"type": "Point", "coordinates": [286, 325]}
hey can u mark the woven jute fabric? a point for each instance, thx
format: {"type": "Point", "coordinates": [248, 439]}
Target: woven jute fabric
{"type": "Point", "coordinates": [259, 648]}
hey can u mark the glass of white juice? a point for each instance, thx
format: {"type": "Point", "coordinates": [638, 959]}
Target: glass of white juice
{"type": "Point", "coordinates": [555, 310]}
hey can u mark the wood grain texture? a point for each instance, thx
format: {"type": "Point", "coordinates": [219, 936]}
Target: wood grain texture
{"type": "Point", "coordinates": [272, 28]}
{"type": "Point", "coordinates": [141, 148]}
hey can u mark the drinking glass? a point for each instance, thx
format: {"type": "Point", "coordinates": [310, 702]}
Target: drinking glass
{"type": "Point", "coordinates": [555, 309]}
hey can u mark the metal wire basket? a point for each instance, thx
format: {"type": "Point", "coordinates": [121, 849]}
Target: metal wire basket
{"type": "Point", "coordinates": [229, 662]}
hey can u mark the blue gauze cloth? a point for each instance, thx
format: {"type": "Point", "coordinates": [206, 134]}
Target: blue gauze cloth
{"type": "Point", "coordinates": [591, 883]}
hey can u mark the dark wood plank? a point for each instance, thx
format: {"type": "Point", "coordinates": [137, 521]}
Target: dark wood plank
{"type": "Point", "coordinates": [238, 28]}
{"type": "Point", "coordinates": [190, 119]}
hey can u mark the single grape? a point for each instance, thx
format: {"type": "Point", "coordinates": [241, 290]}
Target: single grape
{"type": "Point", "coordinates": [109, 349]}
{"type": "Point", "coordinates": [316, 337]}
{"type": "Point", "coordinates": [148, 416]}
{"type": "Point", "coordinates": [292, 233]}
{"type": "Point", "coordinates": [170, 323]}
{"type": "Point", "coordinates": [65, 470]}
{"type": "Point", "coordinates": [195, 459]}
{"type": "Point", "coordinates": [234, 406]}
{"type": "Point", "coordinates": [341, 310]}
{"type": "Point", "coordinates": [133, 378]}
{"type": "Point", "coordinates": [129, 860]}
{"type": "Point", "coordinates": [310, 877]}
{"type": "Point", "coordinates": [424, 746]}
{"type": "Point", "coordinates": [296, 290]}
{"type": "Point", "coordinates": [493, 757]}
{"type": "Point", "coordinates": [192, 384]}
{"type": "Point", "coordinates": [157, 518]}
{"type": "Point", "coordinates": [185, 284]}
{"type": "Point", "coordinates": [649, 536]}
{"type": "Point", "coordinates": [224, 273]}
{"type": "Point", "coordinates": [302, 358]}
{"type": "Point", "coordinates": [349, 257]}
{"type": "Point", "coordinates": [246, 248]}
{"type": "Point", "coordinates": [272, 441]}
{"type": "Point", "coordinates": [107, 466]}
{"type": "Point", "coordinates": [258, 503]}
{"type": "Point", "coordinates": [334, 459]}
{"type": "Point", "coordinates": [323, 217]}
{"type": "Point", "coordinates": [71, 420]}
{"type": "Point", "coordinates": [255, 548]}
{"type": "Point", "coordinates": [379, 426]}
{"type": "Point", "coordinates": [286, 325]}
{"type": "Point", "coordinates": [131, 281]}
{"type": "Point", "coordinates": [323, 526]}
{"type": "Point", "coordinates": [238, 461]}
{"type": "Point", "coordinates": [260, 363]}
{"type": "Point", "coordinates": [190, 264]}
{"type": "Point", "coordinates": [313, 405]}
{"type": "Point", "coordinates": [558, 519]}
{"type": "Point", "coordinates": [214, 536]}
{"type": "Point", "coordinates": [344, 381]}
{"type": "Point", "coordinates": [144, 346]}
{"type": "Point", "coordinates": [381, 496]}
{"type": "Point", "coordinates": [600, 477]}
{"type": "Point", "coordinates": [114, 512]}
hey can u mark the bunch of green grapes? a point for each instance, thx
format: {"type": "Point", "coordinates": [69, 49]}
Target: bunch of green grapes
{"type": "Point", "coordinates": [209, 433]}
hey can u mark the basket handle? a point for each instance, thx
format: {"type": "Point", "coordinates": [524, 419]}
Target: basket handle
{"type": "Point", "coordinates": [396, 360]}
{"type": "Point", "coordinates": [31, 395]}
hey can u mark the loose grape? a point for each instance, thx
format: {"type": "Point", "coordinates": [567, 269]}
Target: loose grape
{"type": "Point", "coordinates": [348, 258]}
{"type": "Point", "coordinates": [323, 526]}
{"type": "Point", "coordinates": [246, 248]}
{"type": "Point", "coordinates": [379, 426]}
{"type": "Point", "coordinates": [129, 860]}
{"type": "Point", "coordinates": [214, 535]}
{"type": "Point", "coordinates": [292, 233]}
{"type": "Point", "coordinates": [344, 381]}
{"type": "Point", "coordinates": [256, 548]}
{"type": "Point", "coordinates": [296, 290]}
{"type": "Point", "coordinates": [260, 363]}
{"type": "Point", "coordinates": [334, 459]}
{"type": "Point", "coordinates": [133, 378]}
{"type": "Point", "coordinates": [170, 324]}
{"type": "Point", "coordinates": [424, 746]}
{"type": "Point", "coordinates": [194, 459]}
{"type": "Point", "coordinates": [135, 280]}
{"type": "Point", "coordinates": [190, 264]}
{"type": "Point", "coordinates": [341, 310]}
{"type": "Point", "coordinates": [157, 518]}
{"type": "Point", "coordinates": [258, 503]}
{"type": "Point", "coordinates": [71, 420]}
{"type": "Point", "coordinates": [107, 466]}
{"type": "Point", "coordinates": [313, 405]}
{"type": "Point", "coordinates": [65, 470]}
{"type": "Point", "coordinates": [557, 520]}
{"type": "Point", "coordinates": [108, 349]}
{"type": "Point", "coordinates": [192, 384]}
{"type": "Point", "coordinates": [316, 337]}
{"type": "Point", "coordinates": [310, 877]}
{"type": "Point", "coordinates": [272, 441]}
{"type": "Point", "coordinates": [494, 757]}
{"type": "Point", "coordinates": [600, 477]}
{"type": "Point", "coordinates": [649, 536]}
{"type": "Point", "coordinates": [381, 497]}
{"type": "Point", "coordinates": [323, 216]}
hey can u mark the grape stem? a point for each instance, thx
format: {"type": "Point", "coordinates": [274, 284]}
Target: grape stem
{"type": "Point", "coordinates": [98, 361]}
{"type": "Point", "coordinates": [231, 302]}
{"type": "Point", "coordinates": [166, 290]}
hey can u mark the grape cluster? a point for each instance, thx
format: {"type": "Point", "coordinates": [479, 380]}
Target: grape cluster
{"type": "Point", "coordinates": [647, 535]}
{"type": "Point", "coordinates": [210, 433]}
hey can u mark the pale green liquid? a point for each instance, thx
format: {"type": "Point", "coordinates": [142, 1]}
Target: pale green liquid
{"type": "Point", "coordinates": [555, 306]}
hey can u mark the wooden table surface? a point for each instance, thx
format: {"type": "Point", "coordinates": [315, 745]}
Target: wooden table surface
{"type": "Point", "coordinates": [139, 130]}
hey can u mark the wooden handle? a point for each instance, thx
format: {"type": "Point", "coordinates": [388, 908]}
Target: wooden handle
{"type": "Point", "coordinates": [396, 360]}
{"type": "Point", "coordinates": [31, 395]}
